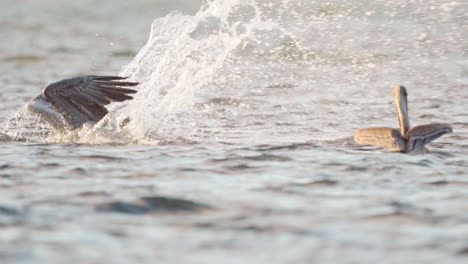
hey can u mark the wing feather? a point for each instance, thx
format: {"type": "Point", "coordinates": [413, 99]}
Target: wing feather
{"type": "Point", "coordinates": [383, 137]}
{"type": "Point", "coordinates": [118, 97]}
{"type": "Point", "coordinates": [120, 90]}
{"type": "Point", "coordinates": [70, 112]}
{"type": "Point", "coordinates": [106, 78]}
{"type": "Point", "coordinates": [82, 99]}
{"type": "Point", "coordinates": [115, 83]}
{"type": "Point", "coordinates": [419, 136]}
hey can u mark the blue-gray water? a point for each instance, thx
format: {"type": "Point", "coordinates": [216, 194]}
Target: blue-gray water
{"type": "Point", "coordinates": [239, 148]}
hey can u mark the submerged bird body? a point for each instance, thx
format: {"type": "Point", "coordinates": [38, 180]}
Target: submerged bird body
{"type": "Point", "coordinates": [406, 139]}
{"type": "Point", "coordinates": [71, 103]}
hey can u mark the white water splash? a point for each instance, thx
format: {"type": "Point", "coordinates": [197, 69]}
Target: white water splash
{"type": "Point", "coordinates": [292, 70]}
{"type": "Point", "coordinates": [183, 54]}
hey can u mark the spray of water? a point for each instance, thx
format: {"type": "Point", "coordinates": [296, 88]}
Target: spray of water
{"type": "Point", "coordinates": [242, 69]}
{"type": "Point", "coordinates": [183, 55]}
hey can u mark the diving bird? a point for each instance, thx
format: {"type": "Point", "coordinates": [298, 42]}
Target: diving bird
{"type": "Point", "coordinates": [406, 139]}
{"type": "Point", "coordinates": [71, 103]}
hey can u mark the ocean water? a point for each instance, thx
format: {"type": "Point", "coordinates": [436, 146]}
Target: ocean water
{"type": "Point", "coordinates": [238, 146]}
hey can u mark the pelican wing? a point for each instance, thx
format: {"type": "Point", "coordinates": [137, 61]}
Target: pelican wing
{"type": "Point", "coordinates": [82, 99]}
{"type": "Point", "coordinates": [419, 136]}
{"type": "Point", "coordinates": [381, 137]}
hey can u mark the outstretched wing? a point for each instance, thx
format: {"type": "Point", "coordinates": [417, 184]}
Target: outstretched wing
{"type": "Point", "coordinates": [419, 136]}
{"type": "Point", "coordinates": [82, 99]}
{"type": "Point", "coordinates": [383, 137]}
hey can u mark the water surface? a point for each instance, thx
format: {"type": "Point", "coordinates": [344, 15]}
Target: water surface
{"type": "Point", "coordinates": [239, 147]}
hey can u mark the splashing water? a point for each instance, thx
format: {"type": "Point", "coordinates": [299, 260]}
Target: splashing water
{"type": "Point", "coordinates": [239, 70]}
{"type": "Point", "coordinates": [183, 55]}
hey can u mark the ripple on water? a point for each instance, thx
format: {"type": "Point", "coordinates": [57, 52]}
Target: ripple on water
{"type": "Point", "coordinates": [102, 157]}
{"type": "Point", "coordinates": [8, 210]}
{"type": "Point", "coordinates": [9, 215]}
{"type": "Point", "coordinates": [5, 166]}
{"type": "Point", "coordinates": [260, 157]}
{"type": "Point", "coordinates": [463, 251]}
{"type": "Point", "coordinates": [301, 188]}
{"type": "Point", "coordinates": [152, 204]}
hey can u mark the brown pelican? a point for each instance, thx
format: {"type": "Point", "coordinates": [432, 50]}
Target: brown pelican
{"type": "Point", "coordinates": [71, 103]}
{"type": "Point", "coordinates": [406, 139]}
